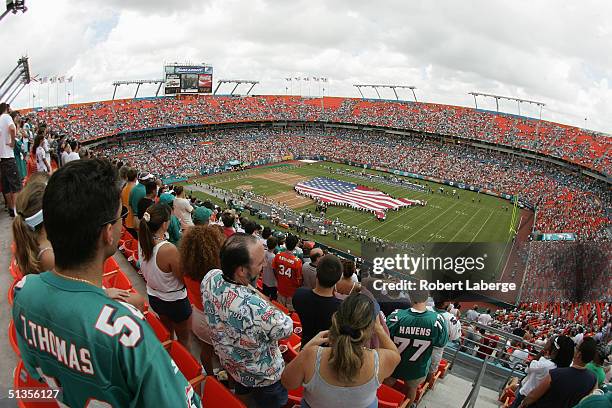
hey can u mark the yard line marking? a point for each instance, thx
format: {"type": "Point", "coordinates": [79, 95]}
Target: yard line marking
{"type": "Point", "coordinates": [423, 227]}
{"type": "Point", "coordinates": [466, 224]}
{"type": "Point", "coordinates": [485, 223]}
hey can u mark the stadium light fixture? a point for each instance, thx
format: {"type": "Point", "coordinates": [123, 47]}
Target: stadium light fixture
{"type": "Point", "coordinates": [508, 98]}
{"type": "Point", "coordinates": [13, 6]}
{"type": "Point", "coordinates": [16, 80]}
{"type": "Point", "coordinates": [236, 83]}
{"type": "Point", "coordinates": [138, 82]}
{"type": "Point", "coordinates": [393, 87]}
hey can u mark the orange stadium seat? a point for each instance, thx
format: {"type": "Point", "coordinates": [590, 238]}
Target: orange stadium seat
{"type": "Point", "coordinates": [111, 266]}
{"type": "Point", "coordinates": [12, 335]}
{"type": "Point", "coordinates": [11, 292]}
{"type": "Point", "coordinates": [216, 395]}
{"type": "Point", "coordinates": [15, 270]}
{"type": "Point", "coordinates": [390, 398]}
{"type": "Point", "coordinates": [117, 280]}
{"type": "Point", "coordinates": [21, 379]}
{"type": "Point", "coordinates": [162, 333]}
{"type": "Point", "coordinates": [189, 366]}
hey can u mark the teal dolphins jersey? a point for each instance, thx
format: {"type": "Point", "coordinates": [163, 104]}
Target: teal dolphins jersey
{"type": "Point", "coordinates": [416, 334]}
{"type": "Point", "coordinates": [97, 351]}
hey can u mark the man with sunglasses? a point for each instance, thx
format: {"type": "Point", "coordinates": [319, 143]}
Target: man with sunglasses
{"type": "Point", "coordinates": [71, 335]}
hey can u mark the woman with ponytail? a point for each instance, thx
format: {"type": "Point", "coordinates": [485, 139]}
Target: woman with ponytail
{"type": "Point", "coordinates": [346, 373]}
{"type": "Point", "coordinates": [160, 265]}
{"type": "Point", "coordinates": [33, 251]}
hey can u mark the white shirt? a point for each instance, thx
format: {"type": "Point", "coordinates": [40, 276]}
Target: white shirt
{"type": "Point", "coordinates": [40, 159]}
{"type": "Point", "coordinates": [485, 319]}
{"type": "Point", "coordinates": [71, 157]}
{"type": "Point", "coordinates": [536, 372]}
{"type": "Point", "coordinates": [182, 209]}
{"type": "Point", "coordinates": [64, 157]}
{"type": "Point", "coordinates": [6, 122]}
{"type": "Point", "coordinates": [45, 145]}
{"type": "Point", "coordinates": [578, 338]}
{"type": "Point", "coordinates": [518, 357]}
{"type": "Point", "coordinates": [472, 315]}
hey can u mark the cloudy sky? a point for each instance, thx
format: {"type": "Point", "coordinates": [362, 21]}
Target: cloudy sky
{"type": "Point", "coordinates": [554, 51]}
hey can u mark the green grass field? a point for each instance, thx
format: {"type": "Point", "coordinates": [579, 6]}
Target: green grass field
{"type": "Point", "coordinates": [444, 219]}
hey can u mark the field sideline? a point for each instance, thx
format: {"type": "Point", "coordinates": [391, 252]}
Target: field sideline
{"type": "Point", "coordinates": [444, 219]}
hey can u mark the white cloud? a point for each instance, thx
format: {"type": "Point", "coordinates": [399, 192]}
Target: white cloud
{"type": "Point", "coordinates": [556, 52]}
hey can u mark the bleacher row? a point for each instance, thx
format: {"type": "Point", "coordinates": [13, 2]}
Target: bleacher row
{"type": "Point", "coordinates": [212, 391]}
{"type": "Point", "coordinates": [103, 119]}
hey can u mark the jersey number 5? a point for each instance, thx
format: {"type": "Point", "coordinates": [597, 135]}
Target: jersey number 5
{"type": "Point", "coordinates": [125, 326]}
{"type": "Point", "coordinates": [403, 344]}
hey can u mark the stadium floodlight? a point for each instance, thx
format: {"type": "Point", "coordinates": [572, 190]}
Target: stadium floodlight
{"type": "Point", "coordinates": [13, 6]}
{"type": "Point", "coordinates": [508, 98]}
{"type": "Point", "coordinates": [393, 87]}
{"type": "Point", "coordinates": [16, 80]}
{"type": "Point", "coordinates": [236, 83]}
{"type": "Point", "coordinates": [138, 82]}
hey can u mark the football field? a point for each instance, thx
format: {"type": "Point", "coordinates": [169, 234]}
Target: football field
{"type": "Point", "coordinates": [464, 217]}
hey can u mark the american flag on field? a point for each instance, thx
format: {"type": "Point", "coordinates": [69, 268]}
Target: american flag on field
{"type": "Point", "coordinates": [342, 192]}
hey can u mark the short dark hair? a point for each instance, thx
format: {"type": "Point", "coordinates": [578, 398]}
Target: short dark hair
{"type": "Point", "coordinates": [266, 233]}
{"type": "Point", "coordinates": [131, 174]}
{"type": "Point", "coordinates": [587, 349]}
{"type": "Point", "coordinates": [250, 227]}
{"type": "Point", "coordinates": [73, 144]}
{"type": "Point", "coordinates": [329, 271]}
{"type": "Point", "coordinates": [80, 197]}
{"type": "Point", "coordinates": [150, 187]}
{"type": "Point", "coordinates": [228, 219]}
{"type": "Point", "coordinates": [291, 242]}
{"type": "Point", "coordinates": [235, 253]}
{"type": "Point", "coordinates": [271, 242]}
{"type": "Point", "coordinates": [4, 107]}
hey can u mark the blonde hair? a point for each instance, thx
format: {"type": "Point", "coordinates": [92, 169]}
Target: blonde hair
{"type": "Point", "coordinates": [352, 327]}
{"type": "Point", "coordinates": [29, 202]}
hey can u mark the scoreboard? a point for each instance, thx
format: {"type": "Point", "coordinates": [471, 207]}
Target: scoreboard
{"type": "Point", "coordinates": [188, 79]}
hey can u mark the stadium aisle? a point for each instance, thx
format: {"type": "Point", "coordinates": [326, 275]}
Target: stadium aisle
{"type": "Point", "coordinates": [7, 357]}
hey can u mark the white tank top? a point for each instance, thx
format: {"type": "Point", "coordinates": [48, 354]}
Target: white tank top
{"type": "Point", "coordinates": [160, 284]}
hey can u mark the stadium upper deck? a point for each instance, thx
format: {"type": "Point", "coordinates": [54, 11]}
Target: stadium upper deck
{"type": "Point", "coordinates": [98, 120]}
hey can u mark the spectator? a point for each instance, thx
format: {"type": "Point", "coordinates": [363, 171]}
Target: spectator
{"type": "Point", "coordinates": [33, 250]}
{"type": "Point", "coordinates": [519, 354]}
{"type": "Point", "coordinates": [182, 208]}
{"type": "Point", "coordinates": [138, 192]}
{"type": "Point", "coordinates": [227, 293]}
{"type": "Point", "coordinates": [148, 200]}
{"type": "Point", "coordinates": [42, 165]}
{"type": "Point", "coordinates": [453, 328]}
{"type": "Point", "coordinates": [199, 251]}
{"type": "Point", "coordinates": [472, 314]}
{"type": "Point", "coordinates": [345, 374]}
{"type": "Point", "coordinates": [70, 303]}
{"type": "Point", "coordinates": [201, 216]}
{"type": "Point", "coordinates": [228, 218]}
{"type": "Point", "coordinates": [125, 201]}
{"type": "Point", "coordinates": [558, 352]}
{"type": "Point", "coordinates": [565, 387]}
{"type": "Point", "coordinates": [309, 269]}
{"type": "Point", "coordinates": [596, 366]}
{"type": "Point", "coordinates": [9, 175]}
{"type": "Point", "coordinates": [579, 336]}
{"type": "Point", "coordinates": [72, 154]}
{"type": "Point", "coordinates": [160, 265]}
{"type": "Point", "coordinates": [416, 330]}
{"type": "Point", "coordinates": [485, 318]}
{"type": "Point", "coordinates": [288, 271]}
{"type": "Point", "coordinates": [269, 278]}
{"type": "Point", "coordinates": [174, 228]}
{"type": "Point", "coordinates": [315, 307]}
{"type": "Point", "coordinates": [348, 283]}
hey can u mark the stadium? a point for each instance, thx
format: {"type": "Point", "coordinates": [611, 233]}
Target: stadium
{"type": "Point", "coordinates": [133, 265]}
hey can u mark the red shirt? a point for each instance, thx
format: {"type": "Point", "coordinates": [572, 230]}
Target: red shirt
{"type": "Point", "coordinates": [193, 292]}
{"type": "Point", "coordinates": [229, 231]}
{"type": "Point", "coordinates": [288, 271]}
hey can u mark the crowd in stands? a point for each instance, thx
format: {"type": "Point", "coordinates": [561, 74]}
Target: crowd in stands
{"type": "Point", "coordinates": [565, 202]}
{"type": "Point", "coordinates": [102, 119]}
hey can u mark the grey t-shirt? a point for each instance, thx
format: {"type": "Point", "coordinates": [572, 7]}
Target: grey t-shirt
{"type": "Point", "coordinates": [309, 274]}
